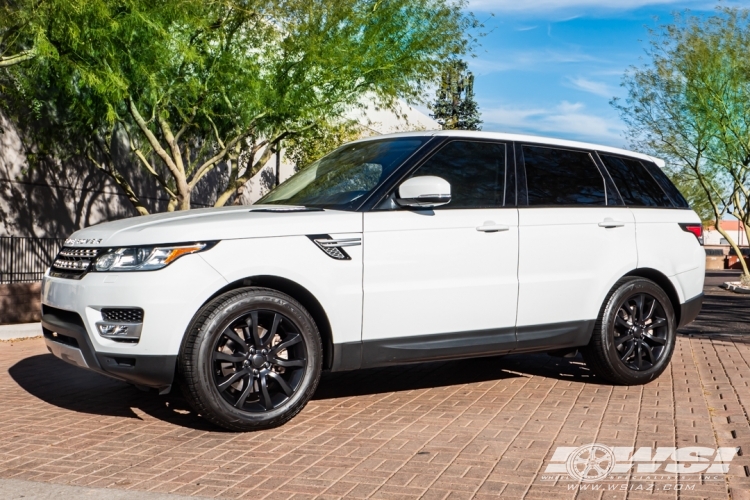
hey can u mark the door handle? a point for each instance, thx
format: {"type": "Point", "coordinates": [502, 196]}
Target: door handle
{"type": "Point", "coordinates": [491, 227]}
{"type": "Point", "coordinates": [608, 222]}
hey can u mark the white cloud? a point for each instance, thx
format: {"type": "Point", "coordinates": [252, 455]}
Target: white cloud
{"type": "Point", "coordinates": [528, 59]}
{"type": "Point", "coordinates": [592, 87]}
{"type": "Point", "coordinates": [567, 120]}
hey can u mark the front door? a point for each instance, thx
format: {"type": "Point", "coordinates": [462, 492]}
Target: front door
{"type": "Point", "coordinates": [443, 283]}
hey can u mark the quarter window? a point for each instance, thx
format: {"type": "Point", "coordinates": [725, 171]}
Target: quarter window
{"type": "Point", "coordinates": [562, 177]}
{"type": "Point", "coordinates": [475, 171]}
{"type": "Point", "coordinates": [636, 185]}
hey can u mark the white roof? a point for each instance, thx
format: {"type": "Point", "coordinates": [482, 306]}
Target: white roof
{"type": "Point", "coordinates": [551, 141]}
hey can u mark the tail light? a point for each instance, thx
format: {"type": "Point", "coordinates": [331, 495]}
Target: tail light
{"type": "Point", "coordinates": [696, 229]}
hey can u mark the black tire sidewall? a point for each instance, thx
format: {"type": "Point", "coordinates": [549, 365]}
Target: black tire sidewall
{"type": "Point", "coordinates": [622, 373]}
{"type": "Point", "coordinates": [206, 333]}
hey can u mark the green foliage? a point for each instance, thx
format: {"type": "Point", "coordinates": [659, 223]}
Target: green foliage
{"type": "Point", "coordinates": [455, 106]}
{"type": "Point", "coordinates": [688, 105]}
{"type": "Point", "coordinates": [189, 84]}
{"type": "Point", "coordinates": [304, 149]}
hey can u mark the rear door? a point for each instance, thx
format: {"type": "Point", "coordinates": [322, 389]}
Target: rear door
{"type": "Point", "coordinates": [659, 209]}
{"type": "Point", "coordinates": [443, 283]}
{"type": "Point", "coordinates": [576, 239]}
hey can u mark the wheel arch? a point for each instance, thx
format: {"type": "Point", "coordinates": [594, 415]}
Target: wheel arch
{"type": "Point", "coordinates": [664, 283]}
{"type": "Point", "coordinates": [298, 293]}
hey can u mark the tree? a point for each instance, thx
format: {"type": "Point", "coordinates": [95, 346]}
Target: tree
{"type": "Point", "coordinates": [688, 105]}
{"type": "Point", "coordinates": [454, 106]}
{"type": "Point", "coordinates": [190, 85]}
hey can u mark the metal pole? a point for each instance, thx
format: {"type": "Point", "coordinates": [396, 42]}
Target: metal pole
{"type": "Point", "coordinates": [278, 162]}
{"type": "Point", "coordinates": [12, 258]}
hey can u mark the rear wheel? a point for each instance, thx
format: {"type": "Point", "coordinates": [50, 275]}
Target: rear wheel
{"type": "Point", "coordinates": [634, 336]}
{"type": "Point", "coordinates": [252, 359]}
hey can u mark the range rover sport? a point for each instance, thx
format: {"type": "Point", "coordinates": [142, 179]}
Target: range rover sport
{"type": "Point", "coordinates": [393, 249]}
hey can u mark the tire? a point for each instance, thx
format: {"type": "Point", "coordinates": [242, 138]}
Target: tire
{"type": "Point", "coordinates": [637, 318]}
{"type": "Point", "coordinates": [251, 359]}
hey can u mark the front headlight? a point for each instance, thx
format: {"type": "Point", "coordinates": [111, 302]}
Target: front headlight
{"type": "Point", "coordinates": [145, 258]}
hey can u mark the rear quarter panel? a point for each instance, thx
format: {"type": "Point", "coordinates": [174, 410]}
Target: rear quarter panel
{"type": "Point", "coordinates": [664, 246]}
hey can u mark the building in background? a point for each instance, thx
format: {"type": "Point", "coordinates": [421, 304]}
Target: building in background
{"type": "Point", "coordinates": [54, 200]}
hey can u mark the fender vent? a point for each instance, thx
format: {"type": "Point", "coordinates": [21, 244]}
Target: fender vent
{"type": "Point", "coordinates": [333, 247]}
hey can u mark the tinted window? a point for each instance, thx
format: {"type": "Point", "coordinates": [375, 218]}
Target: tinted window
{"type": "Point", "coordinates": [634, 182]}
{"type": "Point", "coordinates": [562, 177]}
{"type": "Point", "coordinates": [674, 194]}
{"type": "Point", "coordinates": [475, 171]}
{"type": "Point", "coordinates": [343, 179]}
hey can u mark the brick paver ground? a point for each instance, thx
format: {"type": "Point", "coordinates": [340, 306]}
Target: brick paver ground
{"type": "Point", "coordinates": [466, 429]}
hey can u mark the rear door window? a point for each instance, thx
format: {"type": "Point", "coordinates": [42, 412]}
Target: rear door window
{"type": "Point", "coordinates": [674, 194]}
{"type": "Point", "coordinates": [562, 177]}
{"type": "Point", "coordinates": [475, 171]}
{"type": "Point", "coordinates": [636, 185]}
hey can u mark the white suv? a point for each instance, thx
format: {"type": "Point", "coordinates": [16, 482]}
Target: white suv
{"type": "Point", "coordinates": [395, 249]}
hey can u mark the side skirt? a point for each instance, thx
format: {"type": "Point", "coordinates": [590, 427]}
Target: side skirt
{"type": "Point", "coordinates": [457, 345]}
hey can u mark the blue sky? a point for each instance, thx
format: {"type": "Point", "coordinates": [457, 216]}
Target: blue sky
{"type": "Point", "coordinates": [550, 67]}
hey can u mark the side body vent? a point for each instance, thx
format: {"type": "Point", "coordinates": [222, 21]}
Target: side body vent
{"type": "Point", "coordinates": [334, 248]}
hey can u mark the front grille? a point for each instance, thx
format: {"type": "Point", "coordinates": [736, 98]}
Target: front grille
{"type": "Point", "coordinates": [73, 263]}
{"type": "Point", "coordinates": [131, 315]}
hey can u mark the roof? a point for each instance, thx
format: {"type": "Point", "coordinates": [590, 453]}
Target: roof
{"type": "Point", "coordinates": [551, 141]}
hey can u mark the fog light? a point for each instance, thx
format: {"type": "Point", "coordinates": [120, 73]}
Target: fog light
{"type": "Point", "coordinates": [128, 332]}
{"type": "Point", "coordinates": [105, 329]}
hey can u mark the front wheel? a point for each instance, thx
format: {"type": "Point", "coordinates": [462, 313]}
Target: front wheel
{"type": "Point", "coordinates": [634, 336]}
{"type": "Point", "coordinates": [252, 359]}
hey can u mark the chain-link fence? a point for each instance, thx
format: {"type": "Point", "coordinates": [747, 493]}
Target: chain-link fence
{"type": "Point", "coordinates": [24, 260]}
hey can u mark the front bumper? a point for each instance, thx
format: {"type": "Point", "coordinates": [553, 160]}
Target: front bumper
{"type": "Point", "coordinates": [169, 298]}
{"type": "Point", "coordinates": [68, 340]}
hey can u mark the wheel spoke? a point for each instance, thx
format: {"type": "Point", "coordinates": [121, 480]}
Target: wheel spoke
{"type": "Point", "coordinates": [229, 358]}
{"type": "Point", "coordinates": [294, 339]}
{"type": "Point", "coordinates": [657, 323]}
{"type": "Point", "coordinates": [254, 328]}
{"type": "Point", "coordinates": [639, 304]}
{"type": "Point", "coordinates": [288, 363]}
{"type": "Point", "coordinates": [627, 353]}
{"type": "Point", "coordinates": [639, 356]}
{"type": "Point", "coordinates": [232, 335]}
{"type": "Point", "coordinates": [650, 311]}
{"type": "Point", "coordinates": [650, 353]}
{"type": "Point", "coordinates": [658, 340]}
{"type": "Point", "coordinates": [265, 398]}
{"type": "Point", "coordinates": [624, 338]}
{"type": "Point", "coordinates": [230, 379]}
{"type": "Point", "coordinates": [276, 320]}
{"type": "Point", "coordinates": [619, 321]}
{"type": "Point", "coordinates": [282, 383]}
{"type": "Point", "coordinates": [245, 393]}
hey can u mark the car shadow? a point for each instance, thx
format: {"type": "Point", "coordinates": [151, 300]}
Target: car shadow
{"type": "Point", "coordinates": [66, 386]}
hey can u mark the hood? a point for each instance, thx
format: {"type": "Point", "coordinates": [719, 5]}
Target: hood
{"type": "Point", "coordinates": [209, 224]}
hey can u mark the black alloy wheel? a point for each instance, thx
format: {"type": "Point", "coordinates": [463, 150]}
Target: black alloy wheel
{"type": "Point", "coordinates": [634, 335]}
{"type": "Point", "coordinates": [259, 361]}
{"type": "Point", "coordinates": [640, 331]}
{"type": "Point", "coordinates": [251, 360]}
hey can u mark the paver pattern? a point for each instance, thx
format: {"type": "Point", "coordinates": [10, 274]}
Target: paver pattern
{"type": "Point", "coordinates": [465, 429]}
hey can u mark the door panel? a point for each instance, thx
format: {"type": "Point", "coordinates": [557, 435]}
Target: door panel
{"type": "Point", "coordinates": [569, 258]}
{"type": "Point", "coordinates": [428, 272]}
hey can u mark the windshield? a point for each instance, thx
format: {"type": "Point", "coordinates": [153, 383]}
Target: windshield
{"type": "Point", "coordinates": [343, 179]}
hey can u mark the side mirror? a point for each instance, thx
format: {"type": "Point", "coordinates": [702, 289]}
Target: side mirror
{"type": "Point", "coordinates": [426, 191]}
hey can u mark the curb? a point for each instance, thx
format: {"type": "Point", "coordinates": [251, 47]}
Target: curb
{"type": "Point", "coordinates": [22, 331]}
